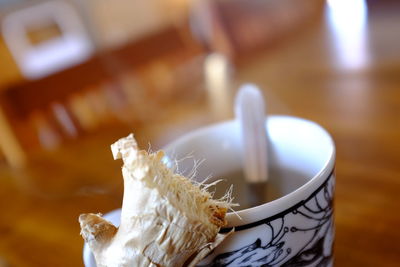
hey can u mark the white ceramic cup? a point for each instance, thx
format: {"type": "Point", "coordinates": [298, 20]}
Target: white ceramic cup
{"type": "Point", "coordinates": [294, 230]}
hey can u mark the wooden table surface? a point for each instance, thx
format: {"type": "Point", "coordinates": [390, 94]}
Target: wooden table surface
{"type": "Point", "coordinates": [359, 106]}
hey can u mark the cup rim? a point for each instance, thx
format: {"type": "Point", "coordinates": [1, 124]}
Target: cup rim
{"type": "Point", "coordinates": [274, 207]}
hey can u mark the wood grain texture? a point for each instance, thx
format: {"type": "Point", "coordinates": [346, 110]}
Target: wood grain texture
{"type": "Point", "coordinates": [360, 108]}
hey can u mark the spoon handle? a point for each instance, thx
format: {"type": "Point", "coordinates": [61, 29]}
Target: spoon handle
{"type": "Point", "coordinates": [250, 112]}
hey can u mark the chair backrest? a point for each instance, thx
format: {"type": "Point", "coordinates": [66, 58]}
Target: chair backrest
{"type": "Point", "coordinates": [46, 37]}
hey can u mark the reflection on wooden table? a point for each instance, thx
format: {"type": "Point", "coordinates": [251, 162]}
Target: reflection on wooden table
{"type": "Point", "coordinates": [303, 75]}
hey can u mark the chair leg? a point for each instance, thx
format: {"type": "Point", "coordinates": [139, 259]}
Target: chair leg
{"type": "Point", "coordinates": [9, 144]}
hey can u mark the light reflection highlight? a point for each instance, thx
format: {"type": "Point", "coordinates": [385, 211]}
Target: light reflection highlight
{"type": "Point", "coordinates": [347, 20]}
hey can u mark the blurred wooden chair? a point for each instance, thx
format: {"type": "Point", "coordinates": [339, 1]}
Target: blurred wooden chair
{"type": "Point", "coordinates": [240, 27]}
{"type": "Point", "coordinates": [106, 89]}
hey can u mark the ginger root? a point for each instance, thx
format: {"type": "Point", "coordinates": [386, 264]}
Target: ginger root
{"type": "Point", "coordinates": [166, 220]}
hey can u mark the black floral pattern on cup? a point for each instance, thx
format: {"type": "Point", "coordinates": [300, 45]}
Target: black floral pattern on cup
{"type": "Point", "coordinates": [310, 220]}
